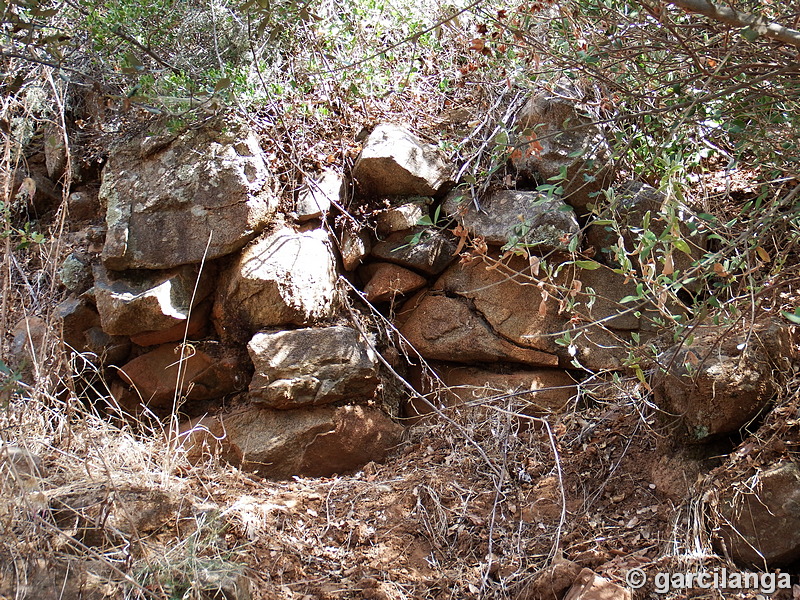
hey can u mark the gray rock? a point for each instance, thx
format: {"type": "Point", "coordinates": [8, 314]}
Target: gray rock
{"type": "Point", "coordinates": [426, 250]}
{"type": "Point", "coordinates": [311, 367]}
{"type": "Point", "coordinates": [555, 135]}
{"type": "Point", "coordinates": [166, 196]}
{"type": "Point", "coordinates": [135, 301]}
{"type": "Point", "coordinates": [76, 273]}
{"type": "Point", "coordinates": [354, 246]}
{"type": "Point", "coordinates": [399, 218]}
{"type": "Point", "coordinates": [394, 162]}
{"type": "Point", "coordinates": [632, 201]}
{"type": "Point", "coordinates": [318, 195]}
{"type": "Point", "coordinates": [281, 279]}
{"type": "Point", "coordinates": [522, 219]}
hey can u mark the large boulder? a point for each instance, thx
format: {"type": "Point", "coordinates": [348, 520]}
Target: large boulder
{"type": "Point", "coordinates": [172, 199]}
{"type": "Point", "coordinates": [508, 217]}
{"type": "Point", "coordinates": [132, 302]}
{"type": "Point", "coordinates": [485, 311]}
{"type": "Point", "coordinates": [758, 517]}
{"type": "Point", "coordinates": [284, 278]}
{"type": "Point", "coordinates": [721, 377]}
{"type": "Point", "coordinates": [314, 442]}
{"type": "Point", "coordinates": [556, 135]}
{"type": "Point", "coordinates": [305, 367]}
{"type": "Point", "coordinates": [395, 162]}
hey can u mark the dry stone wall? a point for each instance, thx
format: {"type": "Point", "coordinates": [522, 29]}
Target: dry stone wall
{"type": "Point", "coordinates": [277, 377]}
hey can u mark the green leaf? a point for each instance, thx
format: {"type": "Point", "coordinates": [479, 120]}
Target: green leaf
{"type": "Point", "coordinates": [573, 244]}
{"type": "Point", "coordinates": [793, 317]}
{"type": "Point", "coordinates": [681, 245]}
{"type": "Point", "coordinates": [589, 265]}
{"type": "Point", "coordinates": [749, 34]}
{"type": "Point", "coordinates": [627, 299]}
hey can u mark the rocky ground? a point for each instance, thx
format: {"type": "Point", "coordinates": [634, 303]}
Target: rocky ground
{"type": "Point", "coordinates": [208, 395]}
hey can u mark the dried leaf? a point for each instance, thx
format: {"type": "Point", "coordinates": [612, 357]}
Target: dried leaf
{"type": "Point", "coordinates": [720, 270]}
{"type": "Point", "coordinates": [534, 261]}
{"type": "Point", "coordinates": [763, 254]}
{"type": "Point", "coordinates": [669, 267]}
{"type": "Point", "coordinates": [478, 44]}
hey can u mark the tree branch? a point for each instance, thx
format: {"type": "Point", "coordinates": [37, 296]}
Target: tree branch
{"type": "Point", "coordinates": [741, 19]}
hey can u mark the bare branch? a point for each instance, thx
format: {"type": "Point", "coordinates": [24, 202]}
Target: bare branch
{"type": "Point", "coordinates": [741, 19]}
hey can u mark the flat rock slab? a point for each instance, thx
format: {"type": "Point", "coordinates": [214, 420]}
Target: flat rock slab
{"type": "Point", "coordinates": [283, 278]}
{"type": "Point", "coordinates": [395, 162]}
{"type": "Point", "coordinates": [131, 302]}
{"type": "Point", "coordinates": [443, 328]}
{"type": "Point", "coordinates": [314, 442]}
{"type": "Point", "coordinates": [427, 250]}
{"type": "Point", "coordinates": [528, 219]}
{"type": "Point", "coordinates": [305, 367]}
{"type": "Point", "coordinates": [172, 199]}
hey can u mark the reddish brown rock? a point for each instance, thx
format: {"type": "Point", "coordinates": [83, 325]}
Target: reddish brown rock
{"type": "Point", "coordinates": [444, 328]}
{"type": "Point", "coordinates": [722, 379]}
{"type": "Point", "coordinates": [153, 377]}
{"type": "Point", "coordinates": [387, 281]}
{"type": "Point", "coordinates": [590, 586]}
{"type": "Point", "coordinates": [759, 518]}
{"type": "Point", "coordinates": [546, 390]}
{"type": "Point", "coordinates": [526, 312]}
{"type": "Point", "coordinates": [316, 442]}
